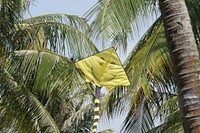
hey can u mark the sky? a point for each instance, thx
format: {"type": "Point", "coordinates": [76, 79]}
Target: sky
{"type": "Point", "coordinates": [73, 7]}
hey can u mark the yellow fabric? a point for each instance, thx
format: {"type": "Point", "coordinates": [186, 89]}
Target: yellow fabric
{"type": "Point", "coordinates": [96, 117]}
{"type": "Point", "coordinates": [94, 130]}
{"type": "Point", "coordinates": [96, 109]}
{"type": "Point", "coordinates": [96, 101]}
{"type": "Point", "coordinates": [104, 69]}
{"type": "Point", "coordinates": [95, 124]}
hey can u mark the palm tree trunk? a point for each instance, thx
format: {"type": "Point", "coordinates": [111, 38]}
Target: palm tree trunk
{"type": "Point", "coordinates": [185, 60]}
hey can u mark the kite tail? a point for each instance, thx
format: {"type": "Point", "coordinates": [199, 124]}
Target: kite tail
{"type": "Point", "coordinates": [96, 109]}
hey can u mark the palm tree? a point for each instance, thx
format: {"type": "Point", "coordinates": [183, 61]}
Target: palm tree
{"type": "Point", "coordinates": [148, 65]}
{"type": "Point", "coordinates": [185, 59]}
{"type": "Point", "coordinates": [10, 14]}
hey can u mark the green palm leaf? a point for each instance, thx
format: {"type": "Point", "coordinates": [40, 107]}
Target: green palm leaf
{"type": "Point", "coordinates": [139, 119]}
{"type": "Point", "coordinates": [10, 14]}
{"type": "Point", "coordinates": [170, 117]}
{"type": "Point", "coordinates": [117, 19]}
{"type": "Point", "coordinates": [61, 33]}
{"type": "Point", "coordinates": [46, 76]}
{"type": "Point", "coordinates": [193, 9]}
{"type": "Point", "coordinates": [149, 71]}
{"type": "Point", "coordinates": [15, 6]}
{"type": "Point", "coordinates": [148, 65]}
{"type": "Point", "coordinates": [81, 116]}
{"type": "Point", "coordinates": [22, 107]}
{"type": "Point", "coordinates": [54, 81]}
{"type": "Point", "coordinates": [49, 76]}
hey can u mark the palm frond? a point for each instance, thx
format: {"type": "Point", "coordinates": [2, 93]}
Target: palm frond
{"type": "Point", "coordinates": [16, 6]}
{"type": "Point", "coordinates": [148, 65]}
{"type": "Point", "coordinates": [23, 108]}
{"type": "Point", "coordinates": [53, 79]}
{"type": "Point", "coordinates": [139, 118]}
{"type": "Point", "coordinates": [117, 19]}
{"type": "Point", "coordinates": [172, 124]}
{"type": "Point", "coordinates": [80, 119]}
{"type": "Point", "coordinates": [168, 116]}
{"type": "Point", "coordinates": [10, 15]}
{"type": "Point", "coordinates": [169, 106]}
{"type": "Point", "coordinates": [61, 33]}
{"type": "Point", "coordinates": [117, 102]}
{"type": "Point", "coordinates": [193, 9]}
{"type": "Point", "coordinates": [48, 76]}
{"type": "Point", "coordinates": [149, 71]}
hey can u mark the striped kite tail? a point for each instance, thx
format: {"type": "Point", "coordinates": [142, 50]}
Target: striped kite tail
{"type": "Point", "coordinates": [96, 109]}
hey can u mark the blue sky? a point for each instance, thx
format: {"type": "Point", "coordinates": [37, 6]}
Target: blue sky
{"type": "Point", "coordinates": [75, 7]}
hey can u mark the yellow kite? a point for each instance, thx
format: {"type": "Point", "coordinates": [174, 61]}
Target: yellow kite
{"type": "Point", "coordinates": [104, 69]}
